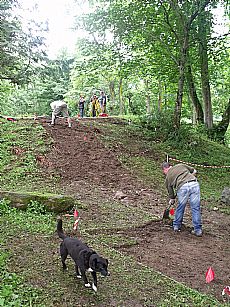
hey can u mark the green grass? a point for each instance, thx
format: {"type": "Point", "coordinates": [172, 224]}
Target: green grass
{"type": "Point", "coordinates": [14, 291]}
{"type": "Point", "coordinates": [130, 282]}
{"type": "Point", "coordinates": [116, 216]}
{"type": "Point", "coordinates": [20, 143]}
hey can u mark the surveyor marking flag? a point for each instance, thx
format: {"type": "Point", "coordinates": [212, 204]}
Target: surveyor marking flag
{"type": "Point", "coordinates": [226, 291]}
{"type": "Point", "coordinates": [209, 275]}
{"type": "Point", "coordinates": [76, 214]}
{"type": "Point", "coordinates": [76, 218]}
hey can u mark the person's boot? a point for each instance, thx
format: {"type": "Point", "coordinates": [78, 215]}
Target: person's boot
{"type": "Point", "coordinates": [197, 233]}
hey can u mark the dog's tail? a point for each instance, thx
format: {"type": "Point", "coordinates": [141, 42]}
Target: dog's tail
{"type": "Point", "coordinates": [60, 230]}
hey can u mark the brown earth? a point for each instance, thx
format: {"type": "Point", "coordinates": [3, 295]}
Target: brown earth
{"type": "Point", "coordinates": [92, 172]}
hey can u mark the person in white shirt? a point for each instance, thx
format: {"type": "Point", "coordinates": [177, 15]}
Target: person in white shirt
{"type": "Point", "coordinates": [60, 107]}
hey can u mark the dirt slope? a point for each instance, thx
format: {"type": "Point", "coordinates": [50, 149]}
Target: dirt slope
{"type": "Point", "coordinates": [93, 173]}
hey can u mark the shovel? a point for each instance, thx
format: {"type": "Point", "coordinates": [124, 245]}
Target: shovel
{"type": "Point", "coordinates": [168, 213]}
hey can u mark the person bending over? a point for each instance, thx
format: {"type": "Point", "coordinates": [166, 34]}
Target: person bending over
{"type": "Point", "coordinates": [181, 182]}
{"type": "Point", "coordinates": [60, 107]}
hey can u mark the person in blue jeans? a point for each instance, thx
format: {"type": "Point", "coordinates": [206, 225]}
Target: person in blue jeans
{"type": "Point", "coordinates": [81, 105]}
{"type": "Point", "coordinates": [182, 183]}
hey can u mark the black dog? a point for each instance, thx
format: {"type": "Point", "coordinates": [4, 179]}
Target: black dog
{"type": "Point", "coordinates": [84, 257]}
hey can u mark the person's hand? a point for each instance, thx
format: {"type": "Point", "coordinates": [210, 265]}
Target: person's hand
{"type": "Point", "coordinates": [171, 201]}
{"type": "Point", "coordinates": [194, 172]}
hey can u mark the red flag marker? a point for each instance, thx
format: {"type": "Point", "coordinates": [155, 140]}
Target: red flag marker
{"type": "Point", "coordinates": [75, 225]}
{"type": "Point", "coordinates": [226, 291]}
{"type": "Point", "coordinates": [210, 275]}
{"type": "Point", "coordinates": [76, 218]}
{"type": "Point", "coordinates": [76, 214]}
{"type": "Point", "coordinates": [172, 211]}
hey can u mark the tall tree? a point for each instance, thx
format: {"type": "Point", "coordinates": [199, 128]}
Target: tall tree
{"type": "Point", "coordinates": [20, 50]}
{"type": "Point", "coordinates": [161, 38]}
{"type": "Point", "coordinates": [203, 28]}
{"type": "Point", "coordinates": [199, 114]}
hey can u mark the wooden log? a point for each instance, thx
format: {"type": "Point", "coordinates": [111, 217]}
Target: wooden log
{"type": "Point", "coordinates": [52, 202]}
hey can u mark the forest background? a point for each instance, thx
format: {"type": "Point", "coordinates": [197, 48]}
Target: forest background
{"type": "Point", "coordinates": [159, 62]}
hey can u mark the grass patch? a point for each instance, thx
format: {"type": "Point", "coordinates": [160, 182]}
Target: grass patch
{"type": "Point", "coordinates": [20, 143]}
{"type": "Point", "coordinates": [14, 291]}
{"type": "Point", "coordinates": [130, 282]}
{"type": "Point", "coordinates": [115, 216]}
{"type": "Point", "coordinates": [34, 219]}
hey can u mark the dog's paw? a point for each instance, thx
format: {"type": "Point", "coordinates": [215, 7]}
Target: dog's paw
{"type": "Point", "coordinates": [94, 287]}
{"type": "Point", "coordinates": [90, 270]}
{"type": "Point", "coordinates": [78, 276]}
{"type": "Point", "coordinates": [87, 285]}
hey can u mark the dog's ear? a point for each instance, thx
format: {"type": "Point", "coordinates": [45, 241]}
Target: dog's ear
{"type": "Point", "coordinates": [93, 261]}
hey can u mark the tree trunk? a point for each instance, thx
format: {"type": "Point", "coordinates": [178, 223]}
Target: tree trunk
{"type": "Point", "coordinates": [160, 99]}
{"type": "Point", "coordinates": [180, 90]}
{"type": "Point", "coordinates": [199, 114]}
{"type": "Point", "coordinates": [206, 93]}
{"type": "Point", "coordinates": [148, 110]}
{"type": "Point", "coordinates": [220, 130]}
{"type": "Point", "coordinates": [130, 103]}
{"type": "Point", "coordinates": [121, 103]}
{"type": "Point", "coordinates": [112, 92]}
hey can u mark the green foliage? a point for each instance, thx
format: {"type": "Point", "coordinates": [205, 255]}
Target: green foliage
{"type": "Point", "coordinates": [21, 49]}
{"type": "Point", "coordinates": [147, 44]}
{"type": "Point", "coordinates": [13, 292]}
{"type": "Point", "coordinates": [34, 219]}
{"type": "Point", "coordinates": [35, 97]}
{"type": "Point", "coordinates": [160, 125]}
{"type": "Point", "coordinates": [4, 207]}
{"type": "Point", "coordinates": [35, 207]}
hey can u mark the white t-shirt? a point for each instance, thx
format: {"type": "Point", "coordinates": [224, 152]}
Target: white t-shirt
{"type": "Point", "coordinates": [57, 103]}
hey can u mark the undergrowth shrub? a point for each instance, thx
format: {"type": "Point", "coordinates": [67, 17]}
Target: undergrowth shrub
{"type": "Point", "coordinates": [161, 128]}
{"type": "Point", "coordinates": [4, 206]}
{"type": "Point", "coordinates": [34, 219]}
{"type": "Point", "coordinates": [34, 207]}
{"type": "Point", "coordinates": [160, 124]}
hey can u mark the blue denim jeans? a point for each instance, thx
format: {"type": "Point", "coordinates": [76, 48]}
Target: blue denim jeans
{"type": "Point", "coordinates": [189, 191]}
{"type": "Point", "coordinates": [81, 112]}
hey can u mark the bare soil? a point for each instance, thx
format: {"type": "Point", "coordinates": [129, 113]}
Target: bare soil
{"type": "Point", "coordinates": [92, 172]}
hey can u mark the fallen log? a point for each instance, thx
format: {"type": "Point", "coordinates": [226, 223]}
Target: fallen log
{"type": "Point", "coordinates": [52, 202]}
